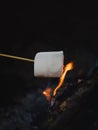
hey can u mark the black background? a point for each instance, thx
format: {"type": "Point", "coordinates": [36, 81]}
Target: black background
{"type": "Point", "coordinates": [49, 24]}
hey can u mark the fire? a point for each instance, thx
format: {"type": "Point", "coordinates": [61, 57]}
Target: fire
{"type": "Point", "coordinates": [68, 67]}
{"type": "Point", "coordinates": [47, 93]}
{"type": "Point", "coordinates": [48, 90]}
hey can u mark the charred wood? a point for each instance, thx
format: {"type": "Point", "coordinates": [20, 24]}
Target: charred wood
{"type": "Point", "coordinates": [66, 112]}
{"type": "Point", "coordinates": [33, 112]}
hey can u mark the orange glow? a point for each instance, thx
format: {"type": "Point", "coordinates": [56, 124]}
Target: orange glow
{"type": "Point", "coordinates": [47, 93]}
{"type": "Point", "coordinates": [68, 67]}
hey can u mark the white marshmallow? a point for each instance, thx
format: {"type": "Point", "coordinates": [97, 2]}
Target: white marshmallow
{"type": "Point", "coordinates": [48, 64]}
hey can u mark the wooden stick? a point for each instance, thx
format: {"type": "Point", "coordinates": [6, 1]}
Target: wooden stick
{"type": "Point", "coordinates": [16, 57]}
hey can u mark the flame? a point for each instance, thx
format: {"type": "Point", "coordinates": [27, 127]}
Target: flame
{"type": "Point", "coordinates": [47, 93]}
{"type": "Point", "coordinates": [68, 67]}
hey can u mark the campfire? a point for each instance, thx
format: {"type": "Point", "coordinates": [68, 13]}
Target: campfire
{"type": "Point", "coordinates": [64, 100]}
{"type": "Point", "coordinates": [51, 94]}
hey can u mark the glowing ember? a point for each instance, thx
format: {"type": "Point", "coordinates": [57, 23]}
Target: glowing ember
{"type": "Point", "coordinates": [47, 93]}
{"type": "Point", "coordinates": [68, 67]}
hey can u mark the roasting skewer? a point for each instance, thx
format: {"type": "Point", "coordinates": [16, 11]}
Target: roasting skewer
{"type": "Point", "coordinates": [16, 57]}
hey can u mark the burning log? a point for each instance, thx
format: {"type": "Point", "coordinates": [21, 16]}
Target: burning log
{"type": "Point", "coordinates": [34, 111]}
{"type": "Point", "coordinates": [64, 112]}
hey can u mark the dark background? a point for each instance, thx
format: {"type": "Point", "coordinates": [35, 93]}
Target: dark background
{"type": "Point", "coordinates": [28, 28]}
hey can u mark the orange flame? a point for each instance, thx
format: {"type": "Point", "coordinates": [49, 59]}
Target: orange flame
{"type": "Point", "coordinates": [47, 93]}
{"type": "Point", "coordinates": [68, 67]}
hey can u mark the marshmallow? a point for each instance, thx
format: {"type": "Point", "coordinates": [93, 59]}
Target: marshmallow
{"type": "Point", "coordinates": [48, 64]}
